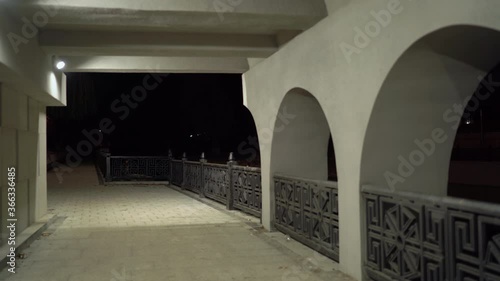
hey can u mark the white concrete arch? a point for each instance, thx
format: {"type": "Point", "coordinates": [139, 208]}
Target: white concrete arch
{"type": "Point", "coordinates": [347, 86]}
{"type": "Point", "coordinates": [300, 137]}
{"type": "Point", "coordinates": [248, 150]}
{"type": "Point", "coordinates": [297, 133]}
{"type": "Point", "coordinates": [414, 120]}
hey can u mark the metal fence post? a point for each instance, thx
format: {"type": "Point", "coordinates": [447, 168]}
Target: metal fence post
{"type": "Point", "coordinates": [230, 195]}
{"type": "Point", "coordinates": [108, 167]}
{"type": "Point", "coordinates": [202, 164]}
{"type": "Point", "coordinates": [184, 159]}
{"type": "Point", "coordinates": [170, 165]}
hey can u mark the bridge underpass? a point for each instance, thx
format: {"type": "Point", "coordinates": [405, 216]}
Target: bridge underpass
{"type": "Point", "coordinates": [415, 63]}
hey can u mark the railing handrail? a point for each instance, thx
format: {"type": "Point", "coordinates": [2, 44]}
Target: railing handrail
{"type": "Point", "coordinates": [331, 184]}
{"type": "Point", "coordinates": [235, 167]}
{"type": "Point", "coordinates": [139, 157]}
{"type": "Point", "coordinates": [246, 168]}
{"type": "Point", "coordinates": [450, 202]}
{"type": "Point", "coordinates": [215, 165]}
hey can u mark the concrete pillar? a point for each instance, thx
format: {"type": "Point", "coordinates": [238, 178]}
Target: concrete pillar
{"type": "Point", "coordinates": [267, 195]}
{"type": "Point", "coordinates": [41, 179]}
{"type": "Point", "coordinates": [8, 150]}
{"type": "Point", "coordinates": [23, 146]}
{"type": "Point", "coordinates": [299, 146]}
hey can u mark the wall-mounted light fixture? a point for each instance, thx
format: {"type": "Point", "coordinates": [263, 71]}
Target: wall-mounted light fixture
{"type": "Point", "coordinates": [59, 63]}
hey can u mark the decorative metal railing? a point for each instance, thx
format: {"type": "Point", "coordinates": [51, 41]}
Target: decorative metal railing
{"type": "Point", "coordinates": [177, 172]}
{"type": "Point", "coordinates": [236, 186]}
{"type": "Point", "coordinates": [192, 176]}
{"type": "Point", "coordinates": [247, 189]}
{"type": "Point", "coordinates": [102, 163]}
{"type": "Point", "coordinates": [307, 210]}
{"type": "Point", "coordinates": [216, 182]}
{"type": "Point", "coordinates": [139, 168]}
{"type": "Point", "coordinates": [417, 237]}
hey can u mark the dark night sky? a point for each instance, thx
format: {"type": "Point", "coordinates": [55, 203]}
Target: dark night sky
{"type": "Point", "coordinates": [207, 106]}
{"type": "Point", "coordinates": [490, 106]}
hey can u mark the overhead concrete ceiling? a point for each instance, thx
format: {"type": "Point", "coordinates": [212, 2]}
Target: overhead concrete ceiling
{"type": "Point", "coordinates": [85, 43]}
{"type": "Point", "coordinates": [210, 16]}
{"type": "Point", "coordinates": [233, 29]}
{"type": "Point", "coordinates": [113, 64]}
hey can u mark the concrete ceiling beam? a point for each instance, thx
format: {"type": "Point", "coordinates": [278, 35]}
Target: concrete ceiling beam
{"type": "Point", "coordinates": [221, 16]}
{"type": "Point", "coordinates": [81, 43]}
{"type": "Point", "coordinates": [117, 64]}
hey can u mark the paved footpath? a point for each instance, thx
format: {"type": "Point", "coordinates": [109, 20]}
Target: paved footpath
{"type": "Point", "coordinates": [153, 232]}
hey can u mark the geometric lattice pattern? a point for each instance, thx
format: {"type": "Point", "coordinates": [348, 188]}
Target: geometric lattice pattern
{"type": "Point", "coordinates": [308, 211]}
{"type": "Point", "coordinates": [216, 182]}
{"type": "Point", "coordinates": [177, 172]}
{"type": "Point", "coordinates": [192, 176]}
{"type": "Point", "coordinates": [247, 190]}
{"type": "Point", "coordinates": [140, 168]}
{"type": "Point", "coordinates": [411, 237]}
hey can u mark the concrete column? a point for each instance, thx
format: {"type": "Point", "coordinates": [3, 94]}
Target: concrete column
{"type": "Point", "coordinates": [23, 146]}
{"type": "Point", "coordinates": [41, 188]}
{"type": "Point", "coordinates": [16, 148]}
{"type": "Point", "coordinates": [267, 183]}
{"type": "Point", "coordinates": [8, 150]}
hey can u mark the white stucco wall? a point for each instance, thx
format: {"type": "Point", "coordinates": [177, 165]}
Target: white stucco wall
{"type": "Point", "coordinates": [28, 83]}
{"type": "Point", "coordinates": [22, 142]}
{"type": "Point", "coordinates": [23, 64]}
{"type": "Point", "coordinates": [347, 90]}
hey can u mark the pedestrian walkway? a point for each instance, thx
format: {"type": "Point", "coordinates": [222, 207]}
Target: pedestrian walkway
{"type": "Point", "coordinates": [153, 232]}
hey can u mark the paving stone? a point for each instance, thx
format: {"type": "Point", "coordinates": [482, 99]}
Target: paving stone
{"type": "Point", "coordinates": [142, 233]}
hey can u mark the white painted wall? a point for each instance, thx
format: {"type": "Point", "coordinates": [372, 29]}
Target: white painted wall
{"type": "Point", "coordinates": [28, 84]}
{"type": "Point", "coordinates": [347, 89]}
{"type": "Point", "coordinates": [24, 65]}
{"type": "Point", "coordinates": [22, 143]}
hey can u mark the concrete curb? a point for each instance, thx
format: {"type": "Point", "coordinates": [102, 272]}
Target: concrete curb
{"type": "Point", "coordinates": [165, 183]}
{"type": "Point", "coordinates": [24, 239]}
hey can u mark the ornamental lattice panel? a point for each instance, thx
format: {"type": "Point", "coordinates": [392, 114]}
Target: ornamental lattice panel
{"type": "Point", "coordinates": [192, 176]}
{"type": "Point", "coordinates": [216, 182]}
{"type": "Point", "coordinates": [140, 168]}
{"type": "Point", "coordinates": [247, 190]}
{"type": "Point", "coordinates": [413, 238]}
{"type": "Point", "coordinates": [177, 172]}
{"type": "Point", "coordinates": [307, 210]}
